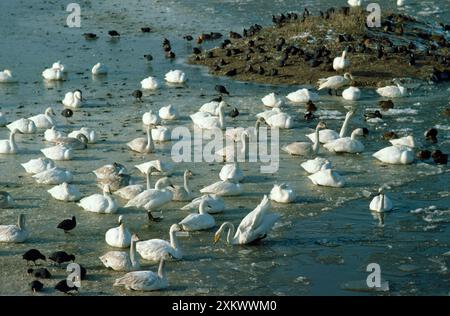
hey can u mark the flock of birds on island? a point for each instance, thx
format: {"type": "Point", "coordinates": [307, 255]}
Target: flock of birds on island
{"type": "Point", "coordinates": [115, 183]}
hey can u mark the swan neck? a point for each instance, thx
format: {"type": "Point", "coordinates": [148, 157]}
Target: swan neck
{"type": "Point", "coordinates": [354, 134]}
{"type": "Point", "coordinates": [344, 127]}
{"type": "Point", "coordinates": [161, 268]}
{"type": "Point", "coordinates": [201, 208]}
{"type": "Point", "coordinates": [230, 233]}
{"type": "Point", "coordinates": [244, 143]}
{"type": "Point", "coordinates": [133, 256]}
{"type": "Point", "coordinates": [148, 179]}
{"type": "Point", "coordinates": [316, 141]}
{"type": "Point", "coordinates": [381, 202]}
{"type": "Point", "coordinates": [21, 222]}
{"type": "Point", "coordinates": [186, 182]}
{"type": "Point", "coordinates": [173, 239]}
{"type": "Point", "coordinates": [150, 145]}
{"type": "Point", "coordinates": [221, 117]}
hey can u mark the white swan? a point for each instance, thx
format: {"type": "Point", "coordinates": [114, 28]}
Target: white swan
{"type": "Point", "coordinates": [53, 74]}
{"type": "Point", "coordinates": [122, 261]}
{"type": "Point", "coordinates": [347, 144]}
{"type": "Point", "coordinates": [6, 76]}
{"type": "Point", "coordinates": [38, 165]}
{"type": "Point", "coordinates": [396, 155]}
{"type": "Point", "coordinates": [150, 118]}
{"type": "Point", "coordinates": [396, 91]}
{"type": "Point", "coordinates": [328, 178]}
{"type": "Point", "coordinates": [58, 65]}
{"type": "Point", "coordinates": [44, 120]}
{"type": "Point", "coordinates": [109, 171]}
{"type": "Point", "coordinates": [211, 108]}
{"type": "Point", "coordinates": [99, 69]}
{"type": "Point", "coordinates": [58, 152]}
{"type": "Point", "coordinates": [334, 82]}
{"type": "Point", "coordinates": [268, 113]}
{"type": "Point", "coordinates": [65, 192]}
{"type": "Point", "coordinates": [236, 133]}
{"type": "Point", "coordinates": [215, 202]}
{"type": "Point", "coordinates": [282, 193]}
{"type": "Point", "coordinates": [100, 203]}
{"type": "Point", "coordinates": [156, 249]}
{"type": "Point", "coordinates": [400, 3]}
{"type": "Point", "coordinates": [272, 101]}
{"type": "Point", "coordinates": [130, 191]}
{"type": "Point", "coordinates": [207, 121]}
{"type": "Point", "coordinates": [175, 76]}
{"type": "Point", "coordinates": [14, 233]}
{"type": "Point", "coordinates": [341, 62]}
{"type": "Point", "coordinates": [253, 227]}
{"type": "Point", "coordinates": [144, 280]}
{"type": "Point", "coordinates": [54, 176]}
{"type": "Point", "coordinates": [90, 134]}
{"type": "Point", "coordinates": [168, 113]}
{"type": "Point", "coordinates": [328, 135]}
{"type": "Point", "coordinates": [23, 125]}
{"type": "Point", "coordinates": [80, 142]}
{"type": "Point", "coordinates": [231, 172]}
{"type": "Point", "coordinates": [354, 3]}
{"type": "Point", "coordinates": [161, 134]}
{"type": "Point", "coordinates": [9, 146]}
{"type": "Point", "coordinates": [302, 96]}
{"type": "Point", "coordinates": [183, 193]}
{"type": "Point", "coordinates": [142, 145]}
{"type": "Point", "coordinates": [149, 83]}
{"type": "Point", "coordinates": [351, 94]}
{"type": "Point", "coordinates": [316, 164]}
{"type": "Point", "coordinates": [119, 237]}
{"type": "Point", "coordinates": [304, 148]}
{"type": "Point", "coordinates": [381, 203]}
{"type": "Point", "coordinates": [160, 167]}
{"type": "Point", "coordinates": [404, 141]}
{"type": "Point", "coordinates": [52, 134]}
{"type": "Point", "coordinates": [280, 120]}
{"type": "Point", "coordinates": [73, 99]}
{"type": "Point", "coordinates": [3, 120]}
{"type": "Point", "coordinates": [6, 200]}
{"type": "Point", "coordinates": [228, 152]}
{"type": "Point", "coordinates": [223, 188]}
{"type": "Point", "coordinates": [198, 221]}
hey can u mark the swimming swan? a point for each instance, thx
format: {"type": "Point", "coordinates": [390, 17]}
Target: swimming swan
{"type": "Point", "coordinates": [175, 76]}
{"type": "Point", "coordinates": [99, 69]}
{"type": "Point", "coordinates": [280, 120]}
{"type": "Point", "coordinates": [231, 172]}
{"type": "Point", "coordinates": [122, 261]}
{"type": "Point", "coordinates": [90, 134]}
{"type": "Point", "coordinates": [73, 99]}
{"type": "Point", "coordinates": [156, 249]}
{"type": "Point", "coordinates": [100, 203]}
{"type": "Point", "coordinates": [198, 221]}
{"type": "Point", "coordinates": [6, 76]}
{"type": "Point", "coordinates": [14, 233]}
{"type": "Point", "coordinates": [119, 237]}
{"type": "Point", "coordinates": [404, 141]}
{"type": "Point", "coordinates": [168, 113]}
{"type": "Point", "coordinates": [58, 152]}
{"type": "Point", "coordinates": [381, 203]}
{"type": "Point", "coordinates": [149, 83]}
{"type": "Point", "coordinates": [183, 193]}
{"type": "Point", "coordinates": [51, 134]}
{"type": "Point", "coordinates": [253, 227]}
{"type": "Point", "coordinates": [150, 118]}
{"type": "Point", "coordinates": [208, 121]}
{"type": "Point", "coordinates": [351, 94]}
{"type": "Point", "coordinates": [315, 165]}
{"type": "Point", "coordinates": [397, 155]}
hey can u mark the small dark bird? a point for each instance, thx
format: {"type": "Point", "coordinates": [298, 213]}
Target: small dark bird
{"type": "Point", "coordinates": [36, 286]}
{"type": "Point", "coordinates": [234, 113]}
{"type": "Point", "coordinates": [148, 57]}
{"type": "Point", "coordinates": [83, 272]}
{"type": "Point", "coordinates": [235, 35]}
{"type": "Point", "coordinates": [431, 135]}
{"type": "Point", "coordinates": [423, 154]}
{"type": "Point", "coordinates": [210, 54]}
{"type": "Point", "coordinates": [170, 55]}
{"type": "Point", "coordinates": [188, 38]}
{"type": "Point", "coordinates": [41, 273]}
{"type": "Point", "coordinates": [310, 106]}
{"type": "Point", "coordinates": [196, 50]}
{"type": "Point", "coordinates": [67, 113]}
{"type": "Point", "coordinates": [137, 94]}
{"type": "Point", "coordinates": [371, 115]}
{"type": "Point", "coordinates": [90, 36]}
{"type": "Point", "coordinates": [114, 34]}
{"type": "Point", "coordinates": [231, 72]}
{"type": "Point", "coordinates": [166, 42]}
{"type": "Point", "coordinates": [309, 116]}
{"type": "Point", "coordinates": [439, 157]}
{"type": "Point", "coordinates": [221, 89]}
{"type": "Point", "coordinates": [389, 135]}
{"type": "Point", "coordinates": [33, 255]}
{"type": "Point", "coordinates": [61, 257]}
{"type": "Point", "coordinates": [146, 29]}
{"type": "Point", "coordinates": [386, 105]}
{"type": "Point", "coordinates": [68, 224]}
{"type": "Point", "coordinates": [62, 286]}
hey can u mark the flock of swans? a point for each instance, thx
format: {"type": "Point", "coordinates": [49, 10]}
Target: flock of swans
{"type": "Point", "coordinates": [118, 191]}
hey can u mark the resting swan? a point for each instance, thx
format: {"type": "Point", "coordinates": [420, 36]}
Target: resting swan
{"type": "Point", "coordinates": [302, 96]}
{"type": "Point", "coordinates": [272, 101]}
{"type": "Point", "coordinates": [175, 76]}
{"type": "Point", "coordinates": [142, 145]}
{"type": "Point", "coordinates": [198, 221]}
{"type": "Point", "coordinates": [381, 203]}
{"type": "Point", "coordinates": [282, 193]}
{"type": "Point", "coordinates": [73, 99]}
{"type": "Point", "coordinates": [58, 153]}
{"type": "Point", "coordinates": [90, 134]}
{"type": "Point", "coordinates": [304, 148]}
{"type": "Point", "coordinates": [100, 203]}
{"type": "Point", "coordinates": [14, 233]}
{"type": "Point", "coordinates": [45, 120]}
{"type": "Point", "coordinates": [159, 167]}
{"type": "Point", "coordinates": [9, 146]}
{"type": "Point", "coordinates": [348, 144]}
{"type": "Point", "coordinates": [328, 135]}
{"type": "Point", "coordinates": [397, 155]}
{"type": "Point", "coordinates": [119, 237]}
{"type": "Point", "coordinates": [404, 141]}
{"type": "Point", "coordinates": [328, 178]}
{"type": "Point", "coordinates": [65, 192]}
{"type": "Point", "coordinates": [144, 280]}
{"type": "Point", "coordinates": [316, 164]}
{"type": "Point", "coordinates": [280, 120]}
{"type": "Point", "coordinates": [253, 227]}
{"type": "Point", "coordinates": [168, 113]}
{"type": "Point", "coordinates": [207, 121]}
{"type": "Point", "coordinates": [149, 83]}
{"type": "Point", "coordinates": [183, 193]}
{"type": "Point", "coordinates": [156, 249]}
{"type": "Point", "coordinates": [52, 134]}
{"type": "Point", "coordinates": [223, 188]}
{"type": "Point", "coordinates": [25, 126]}
{"type": "Point", "coordinates": [6, 76]}
{"type": "Point", "coordinates": [122, 261]}
{"type": "Point", "coordinates": [231, 172]}
{"type": "Point", "coordinates": [215, 202]}
{"type": "Point", "coordinates": [54, 176]}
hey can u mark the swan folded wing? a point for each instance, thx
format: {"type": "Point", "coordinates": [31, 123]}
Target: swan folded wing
{"type": "Point", "coordinates": [154, 249]}
{"type": "Point", "coordinates": [197, 222]}
{"type": "Point", "coordinates": [138, 280]}
{"type": "Point", "coordinates": [255, 218]}
{"type": "Point", "coordinates": [10, 233]}
{"type": "Point", "coordinates": [158, 199]}
{"type": "Point", "coordinates": [141, 199]}
{"type": "Point", "coordinates": [117, 260]}
{"type": "Point", "coordinates": [95, 203]}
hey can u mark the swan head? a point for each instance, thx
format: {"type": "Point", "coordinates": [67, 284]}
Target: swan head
{"type": "Point", "coordinates": [49, 111]}
{"type": "Point", "coordinates": [175, 228]}
{"type": "Point", "coordinates": [78, 94]}
{"type": "Point", "coordinates": [348, 76]}
{"type": "Point", "coordinates": [135, 238]}
{"type": "Point", "coordinates": [218, 234]}
{"type": "Point", "coordinates": [321, 125]}
{"type": "Point", "coordinates": [188, 173]}
{"type": "Point", "coordinates": [82, 138]}
{"type": "Point", "coordinates": [120, 219]}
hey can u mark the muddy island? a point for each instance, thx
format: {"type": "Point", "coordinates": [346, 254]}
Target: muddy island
{"type": "Point", "coordinates": [300, 47]}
